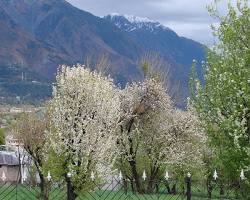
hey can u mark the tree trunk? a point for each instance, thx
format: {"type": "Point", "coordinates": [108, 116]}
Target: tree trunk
{"type": "Point", "coordinates": [189, 191]}
{"type": "Point", "coordinates": [44, 195]}
{"type": "Point", "coordinates": [152, 180]}
{"type": "Point", "coordinates": [168, 187]}
{"type": "Point", "coordinates": [132, 186]}
{"type": "Point", "coordinates": [71, 195]}
{"type": "Point", "coordinates": [209, 188]}
{"type": "Point", "coordinates": [125, 185]}
{"type": "Point", "coordinates": [151, 186]}
{"type": "Point", "coordinates": [132, 162]}
{"type": "Point", "coordinates": [173, 190]}
{"type": "Point", "coordinates": [44, 192]}
{"type": "Point", "coordinates": [222, 191]}
{"type": "Point", "coordinates": [137, 183]}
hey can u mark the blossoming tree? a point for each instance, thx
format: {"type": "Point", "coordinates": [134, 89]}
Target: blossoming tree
{"type": "Point", "coordinates": [153, 134]}
{"type": "Point", "coordinates": [85, 112]}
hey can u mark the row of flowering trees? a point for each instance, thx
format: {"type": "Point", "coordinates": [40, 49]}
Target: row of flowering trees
{"type": "Point", "coordinates": [98, 127]}
{"type": "Point", "coordinates": [92, 126]}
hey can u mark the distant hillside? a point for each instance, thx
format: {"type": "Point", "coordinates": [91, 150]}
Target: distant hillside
{"type": "Point", "coordinates": [38, 35]}
{"type": "Point", "coordinates": [153, 36]}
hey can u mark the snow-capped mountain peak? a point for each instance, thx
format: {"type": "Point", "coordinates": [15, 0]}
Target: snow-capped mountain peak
{"type": "Point", "coordinates": [135, 19]}
{"type": "Point", "coordinates": [131, 23]}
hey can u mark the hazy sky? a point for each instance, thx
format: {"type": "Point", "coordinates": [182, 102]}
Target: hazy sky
{"type": "Point", "coordinates": [188, 18]}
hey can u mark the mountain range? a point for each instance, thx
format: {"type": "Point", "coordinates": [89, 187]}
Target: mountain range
{"type": "Point", "coordinates": [38, 35]}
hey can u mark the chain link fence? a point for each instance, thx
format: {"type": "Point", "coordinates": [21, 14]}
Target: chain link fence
{"type": "Point", "coordinates": [116, 189]}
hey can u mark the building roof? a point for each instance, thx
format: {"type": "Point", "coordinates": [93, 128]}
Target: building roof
{"type": "Point", "coordinates": [8, 158]}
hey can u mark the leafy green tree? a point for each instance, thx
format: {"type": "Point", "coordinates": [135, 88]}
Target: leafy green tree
{"type": "Point", "coordinates": [224, 101]}
{"type": "Point", "coordinates": [2, 136]}
{"type": "Point", "coordinates": [30, 130]}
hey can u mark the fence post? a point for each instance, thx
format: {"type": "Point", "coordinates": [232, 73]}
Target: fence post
{"type": "Point", "coordinates": [188, 182]}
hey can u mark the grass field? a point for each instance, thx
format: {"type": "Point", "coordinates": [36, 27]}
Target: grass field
{"type": "Point", "coordinates": [26, 193]}
{"type": "Point", "coordinates": [21, 192]}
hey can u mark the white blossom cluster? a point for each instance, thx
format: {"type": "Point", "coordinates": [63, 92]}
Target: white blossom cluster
{"type": "Point", "coordinates": [158, 130]}
{"type": "Point", "coordinates": [95, 122]}
{"type": "Point", "coordinates": [85, 111]}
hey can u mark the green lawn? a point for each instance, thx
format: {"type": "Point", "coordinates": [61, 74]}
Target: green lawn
{"type": "Point", "coordinates": [26, 193]}
{"type": "Point", "coordinates": [22, 192]}
{"type": "Point", "coordinates": [120, 195]}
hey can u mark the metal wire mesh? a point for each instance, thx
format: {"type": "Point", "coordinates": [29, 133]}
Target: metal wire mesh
{"type": "Point", "coordinates": [115, 189]}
